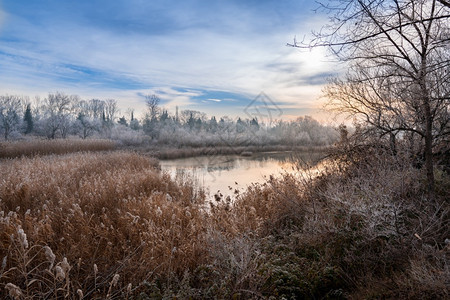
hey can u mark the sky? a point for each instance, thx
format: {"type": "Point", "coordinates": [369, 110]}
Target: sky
{"type": "Point", "coordinates": [211, 56]}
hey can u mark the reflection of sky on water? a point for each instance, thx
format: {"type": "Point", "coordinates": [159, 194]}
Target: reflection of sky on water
{"type": "Point", "coordinates": [226, 173]}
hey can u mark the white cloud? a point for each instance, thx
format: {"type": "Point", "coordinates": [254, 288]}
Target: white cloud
{"type": "Point", "coordinates": [237, 59]}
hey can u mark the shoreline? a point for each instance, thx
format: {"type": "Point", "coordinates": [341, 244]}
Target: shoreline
{"type": "Point", "coordinates": [175, 153]}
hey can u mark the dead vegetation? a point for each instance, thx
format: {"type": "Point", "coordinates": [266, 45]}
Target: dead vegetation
{"type": "Point", "coordinates": [44, 147]}
{"type": "Point", "coordinates": [110, 225]}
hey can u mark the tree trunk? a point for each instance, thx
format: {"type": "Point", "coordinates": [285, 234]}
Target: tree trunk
{"type": "Point", "coordinates": [428, 151]}
{"type": "Point", "coordinates": [393, 143]}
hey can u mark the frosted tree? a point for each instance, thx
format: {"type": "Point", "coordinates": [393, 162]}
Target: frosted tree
{"type": "Point", "coordinates": [10, 109]}
{"type": "Point", "coordinates": [398, 57]}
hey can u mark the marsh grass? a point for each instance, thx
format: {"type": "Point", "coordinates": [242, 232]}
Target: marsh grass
{"type": "Point", "coordinates": [112, 226]}
{"type": "Point", "coordinates": [113, 210]}
{"type": "Point", "coordinates": [34, 147]}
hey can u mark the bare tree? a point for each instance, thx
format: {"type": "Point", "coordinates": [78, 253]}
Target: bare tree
{"type": "Point", "coordinates": [96, 108]}
{"type": "Point", "coordinates": [445, 3]}
{"type": "Point", "coordinates": [86, 124]}
{"type": "Point", "coordinates": [67, 119]}
{"type": "Point", "coordinates": [111, 110]}
{"type": "Point", "coordinates": [150, 125]}
{"type": "Point", "coordinates": [57, 109]}
{"type": "Point", "coordinates": [152, 102]}
{"type": "Point", "coordinates": [10, 108]}
{"type": "Point", "coordinates": [398, 57]}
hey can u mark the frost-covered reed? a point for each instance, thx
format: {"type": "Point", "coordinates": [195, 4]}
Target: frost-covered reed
{"type": "Point", "coordinates": [112, 226]}
{"type": "Point", "coordinates": [60, 146]}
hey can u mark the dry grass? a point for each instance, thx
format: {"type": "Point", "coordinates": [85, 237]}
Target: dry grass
{"type": "Point", "coordinates": [45, 147]}
{"type": "Point", "coordinates": [106, 213]}
{"type": "Point", "coordinates": [110, 225]}
{"type": "Point", "coordinates": [91, 225]}
{"type": "Point", "coordinates": [364, 228]}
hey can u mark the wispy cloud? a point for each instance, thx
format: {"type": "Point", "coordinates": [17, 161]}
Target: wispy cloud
{"type": "Point", "coordinates": [187, 53]}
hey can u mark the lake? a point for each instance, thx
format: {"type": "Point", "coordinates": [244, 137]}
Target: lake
{"type": "Point", "coordinates": [226, 173]}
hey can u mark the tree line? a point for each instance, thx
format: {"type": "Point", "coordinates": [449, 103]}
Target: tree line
{"type": "Point", "coordinates": [60, 115]}
{"type": "Point", "coordinates": [57, 116]}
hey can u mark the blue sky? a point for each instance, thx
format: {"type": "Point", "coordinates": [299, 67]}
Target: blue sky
{"type": "Point", "coordinates": [212, 56]}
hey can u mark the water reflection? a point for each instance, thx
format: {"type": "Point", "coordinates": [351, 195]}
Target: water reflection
{"type": "Point", "coordinates": [229, 174]}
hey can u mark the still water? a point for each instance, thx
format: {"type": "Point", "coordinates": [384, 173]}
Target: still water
{"type": "Point", "coordinates": [227, 173]}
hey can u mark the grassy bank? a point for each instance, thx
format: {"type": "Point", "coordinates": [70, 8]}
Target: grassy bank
{"type": "Point", "coordinates": [111, 226]}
